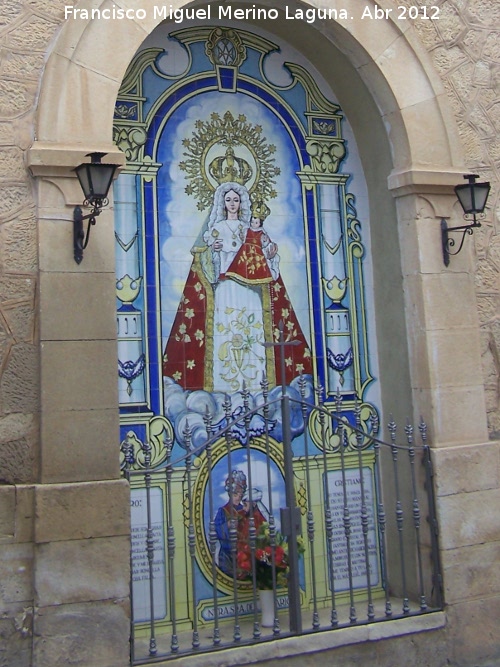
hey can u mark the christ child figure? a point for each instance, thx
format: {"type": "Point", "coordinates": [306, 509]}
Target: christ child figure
{"type": "Point", "coordinates": [257, 260]}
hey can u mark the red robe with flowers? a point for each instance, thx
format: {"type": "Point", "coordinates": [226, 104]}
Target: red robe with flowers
{"type": "Point", "coordinates": [189, 353]}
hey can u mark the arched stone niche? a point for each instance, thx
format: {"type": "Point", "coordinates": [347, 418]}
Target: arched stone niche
{"type": "Point", "coordinates": [428, 333]}
{"type": "Point", "coordinates": [410, 151]}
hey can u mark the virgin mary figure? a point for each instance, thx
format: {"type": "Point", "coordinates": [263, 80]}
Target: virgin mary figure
{"type": "Point", "coordinates": [231, 305]}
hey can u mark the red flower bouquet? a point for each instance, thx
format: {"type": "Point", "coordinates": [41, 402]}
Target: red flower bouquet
{"type": "Point", "coordinates": [268, 552]}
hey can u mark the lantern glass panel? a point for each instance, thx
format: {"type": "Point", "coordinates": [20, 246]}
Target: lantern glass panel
{"type": "Point", "coordinates": [84, 178]}
{"type": "Point", "coordinates": [102, 175]}
{"type": "Point", "coordinates": [473, 196]}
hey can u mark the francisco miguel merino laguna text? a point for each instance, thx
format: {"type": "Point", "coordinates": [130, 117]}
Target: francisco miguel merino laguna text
{"type": "Point", "coordinates": [164, 12]}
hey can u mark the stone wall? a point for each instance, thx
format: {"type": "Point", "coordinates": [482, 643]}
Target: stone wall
{"type": "Point", "coordinates": [26, 30]}
{"type": "Point", "coordinates": [465, 47]}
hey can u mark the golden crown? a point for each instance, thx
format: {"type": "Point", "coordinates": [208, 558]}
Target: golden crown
{"type": "Point", "coordinates": [260, 210]}
{"type": "Point", "coordinates": [229, 168]}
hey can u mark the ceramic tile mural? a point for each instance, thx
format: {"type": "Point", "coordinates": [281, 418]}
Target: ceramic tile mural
{"type": "Point", "coordinates": [241, 222]}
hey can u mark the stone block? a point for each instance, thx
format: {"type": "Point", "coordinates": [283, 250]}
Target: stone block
{"type": "Point", "coordinates": [18, 448]}
{"type": "Point", "coordinates": [20, 318]}
{"type": "Point", "coordinates": [420, 245]}
{"type": "Point", "coordinates": [18, 461]}
{"type": "Point", "coordinates": [56, 241]}
{"type": "Point", "coordinates": [83, 635]}
{"type": "Point", "coordinates": [471, 572]}
{"type": "Point", "coordinates": [375, 42]}
{"type": "Point", "coordinates": [61, 314]}
{"type": "Point", "coordinates": [16, 573]}
{"type": "Point", "coordinates": [395, 62]}
{"type": "Point", "coordinates": [17, 288]}
{"type": "Point", "coordinates": [25, 513]}
{"type": "Point", "coordinates": [473, 633]}
{"type": "Point", "coordinates": [444, 358]}
{"type": "Point", "coordinates": [89, 440]}
{"type": "Point", "coordinates": [413, 643]}
{"type": "Point", "coordinates": [16, 639]}
{"type": "Point", "coordinates": [16, 98]}
{"type": "Point", "coordinates": [460, 415]}
{"type": "Point", "coordinates": [7, 511]}
{"type": "Point", "coordinates": [430, 141]}
{"type": "Point", "coordinates": [429, 649]}
{"type": "Point", "coordinates": [469, 518]}
{"type": "Point", "coordinates": [79, 375]}
{"type": "Point", "coordinates": [106, 60]}
{"type": "Point", "coordinates": [56, 244]}
{"type": "Point", "coordinates": [82, 571]}
{"type": "Point", "coordinates": [466, 468]}
{"type": "Point", "coordinates": [449, 300]}
{"type": "Point", "coordinates": [59, 116]}
{"type": "Point", "coordinates": [20, 379]}
{"type": "Point", "coordinates": [457, 348]}
{"type": "Point", "coordinates": [82, 510]}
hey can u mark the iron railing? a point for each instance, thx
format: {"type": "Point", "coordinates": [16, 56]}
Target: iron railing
{"type": "Point", "coordinates": [359, 525]}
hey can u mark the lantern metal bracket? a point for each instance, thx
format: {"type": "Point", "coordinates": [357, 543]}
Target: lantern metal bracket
{"type": "Point", "coordinates": [472, 197]}
{"type": "Point", "coordinates": [449, 242]}
{"type": "Point", "coordinates": [81, 238]}
{"type": "Point", "coordinates": [95, 180]}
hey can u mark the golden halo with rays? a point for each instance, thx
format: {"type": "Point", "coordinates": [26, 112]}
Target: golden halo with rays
{"type": "Point", "coordinates": [226, 148]}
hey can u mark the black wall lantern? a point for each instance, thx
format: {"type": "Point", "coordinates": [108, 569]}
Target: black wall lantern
{"type": "Point", "coordinates": [472, 197]}
{"type": "Point", "coordinates": [95, 179]}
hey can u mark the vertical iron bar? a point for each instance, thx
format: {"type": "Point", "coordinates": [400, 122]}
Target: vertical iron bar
{"type": "Point", "coordinates": [174, 642]}
{"type": "Point", "coordinates": [291, 511]}
{"type": "Point", "coordinates": [327, 508]}
{"type": "Point", "coordinates": [416, 514]}
{"type": "Point", "coordinates": [293, 580]}
{"type": "Point", "coordinates": [233, 523]}
{"type": "Point", "coordinates": [310, 515]}
{"type": "Point", "coordinates": [364, 512]}
{"type": "Point", "coordinates": [128, 453]}
{"type": "Point", "coordinates": [272, 521]}
{"type": "Point", "coordinates": [436, 560]}
{"type": "Point", "coordinates": [212, 534]}
{"type": "Point", "coordinates": [195, 642]}
{"type": "Point", "coordinates": [347, 517]}
{"type": "Point", "coordinates": [399, 514]}
{"type": "Point", "coordinates": [252, 532]}
{"type": "Point", "coordinates": [149, 547]}
{"type": "Point", "coordinates": [381, 523]}
{"type": "Point", "coordinates": [132, 620]}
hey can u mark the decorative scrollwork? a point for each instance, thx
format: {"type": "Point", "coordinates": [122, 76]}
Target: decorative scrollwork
{"type": "Point", "coordinates": [204, 169]}
{"type": "Point", "coordinates": [130, 370]}
{"type": "Point", "coordinates": [224, 47]}
{"type": "Point", "coordinates": [329, 435]}
{"type": "Point", "coordinates": [125, 111]}
{"type": "Point", "coordinates": [325, 154]}
{"type": "Point", "coordinates": [340, 362]}
{"type": "Point", "coordinates": [134, 452]}
{"type": "Point", "coordinates": [353, 223]}
{"type": "Point", "coordinates": [130, 140]}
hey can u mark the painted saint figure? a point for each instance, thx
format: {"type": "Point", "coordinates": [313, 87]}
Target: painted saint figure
{"type": "Point", "coordinates": [237, 510]}
{"type": "Point", "coordinates": [233, 301]}
{"type": "Point", "coordinates": [257, 260]}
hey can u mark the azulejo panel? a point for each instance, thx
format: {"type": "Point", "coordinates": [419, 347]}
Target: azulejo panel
{"type": "Point", "coordinates": [240, 259]}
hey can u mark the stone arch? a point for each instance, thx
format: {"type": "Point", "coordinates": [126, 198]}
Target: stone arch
{"type": "Point", "coordinates": [76, 103]}
{"type": "Point", "coordinates": [79, 494]}
{"type": "Point", "coordinates": [80, 81]}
